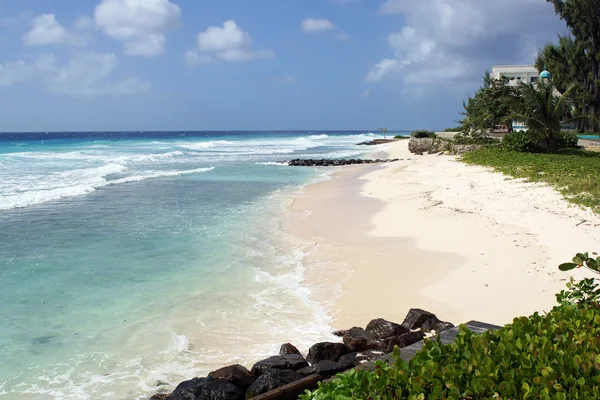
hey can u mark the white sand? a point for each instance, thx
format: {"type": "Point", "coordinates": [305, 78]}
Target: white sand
{"type": "Point", "coordinates": [431, 232]}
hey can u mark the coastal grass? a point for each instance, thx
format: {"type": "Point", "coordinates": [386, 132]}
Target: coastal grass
{"type": "Point", "coordinates": [575, 173]}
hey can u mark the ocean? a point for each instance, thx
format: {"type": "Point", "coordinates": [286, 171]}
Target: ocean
{"type": "Point", "coordinates": [132, 261]}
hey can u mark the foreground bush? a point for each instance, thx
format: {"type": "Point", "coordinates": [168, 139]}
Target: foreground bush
{"type": "Point", "coordinates": [548, 357]}
{"type": "Point", "coordinates": [526, 142]}
{"type": "Point", "coordinates": [423, 134]}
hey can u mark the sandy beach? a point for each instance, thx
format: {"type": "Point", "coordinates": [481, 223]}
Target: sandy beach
{"type": "Point", "coordinates": [431, 232]}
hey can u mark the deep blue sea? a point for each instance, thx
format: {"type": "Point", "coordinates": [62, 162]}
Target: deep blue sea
{"type": "Point", "coordinates": [132, 261]}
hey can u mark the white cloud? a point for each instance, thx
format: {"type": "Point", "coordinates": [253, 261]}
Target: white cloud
{"type": "Point", "coordinates": [86, 74]}
{"type": "Point", "coordinates": [46, 30]}
{"type": "Point", "coordinates": [452, 42]}
{"type": "Point", "coordinates": [139, 24]}
{"type": "Point", "coordinates": [228, 43]}
{"type": "Point", "coordinates": [316, 25]}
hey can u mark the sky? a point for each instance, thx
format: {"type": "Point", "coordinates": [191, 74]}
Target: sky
{"type": "Point", "coordinates": [90, 65]}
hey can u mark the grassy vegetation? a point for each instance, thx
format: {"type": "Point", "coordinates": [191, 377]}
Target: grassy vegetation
{"type": "Point", "coordinates": [575, 173]}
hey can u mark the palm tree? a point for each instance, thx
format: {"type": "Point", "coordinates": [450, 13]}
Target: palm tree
{"type": "Point", "coordinates": [543, 112]}
{"type": "Point", "coordinates": [384, 131]}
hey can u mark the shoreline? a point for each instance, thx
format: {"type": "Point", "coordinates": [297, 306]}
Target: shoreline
{"type": "Point", "coordinates": [433, 233]}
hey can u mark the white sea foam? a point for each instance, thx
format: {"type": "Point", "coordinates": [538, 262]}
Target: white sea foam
{"type": "Point", "coordinates": [77, 183]}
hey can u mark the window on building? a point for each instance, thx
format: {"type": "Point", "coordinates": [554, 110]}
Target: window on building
{"type": "Point", "coordinates": [534, 79]}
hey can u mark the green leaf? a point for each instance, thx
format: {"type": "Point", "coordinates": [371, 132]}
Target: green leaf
{"type": "Point", "coordinates": [567, 266]}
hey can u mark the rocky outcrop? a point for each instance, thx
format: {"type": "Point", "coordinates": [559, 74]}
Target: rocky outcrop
{"type": "Point", "coordinates": [235, 374]}
{"type": "Point", "coordinates": [288, 348]}
{"type": "Point", "coordinates": [189, 390]}
{"type": "Point", "coordinates": [220, 390]}
{"type": "Point", "coordinates": [358, 358]}
{"type": "Point", "coordinates": [290, 361]}
{"type": "Point", "coordinates": [416, 317]}
{"type": "Point", "coordinates": [272, 380]}
{"type": "Point", "coordinates": [435, 325]}
{"type": "Point", "coordinates": [402, 341]}
{"type": "Point", "coordinates": [357, 339]}
{"type": "Point", "coordinates": [421, 146]}
{"type": "Point", "coordinates": [334, 163]}
{"type": "Point", "coordinates": [326, 351]}
{"type": "Point", "coordinates": [382, 329]}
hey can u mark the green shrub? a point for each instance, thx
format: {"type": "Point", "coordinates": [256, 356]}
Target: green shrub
{"type": "Point", "coordinates": [401, 137]}
{"type": "Point", "coordinates": [568, 140]}
{"type": "Point", "coordinates": [462, 138]}
{"type": "Point", "coordinates": [550, 357]}
{"type": "Point", "coordinates": [423, 134]}
{"type": "Point", "coordinates": [521, 141]}
{"type": "Point", "coordinates": [457, 129]}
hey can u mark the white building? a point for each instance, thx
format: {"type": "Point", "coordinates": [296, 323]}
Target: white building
{"type": "Point", "coordinates": [519, 73]}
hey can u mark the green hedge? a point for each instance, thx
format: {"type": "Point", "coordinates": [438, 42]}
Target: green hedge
{"type": "Point", "coordinates": [548, 357]}
{"type": "Point", "coordinates": [423, 134]}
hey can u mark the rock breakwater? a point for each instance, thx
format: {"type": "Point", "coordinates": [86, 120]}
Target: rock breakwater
{"type": "Point", "coordinates": [334, 163]}
{"type": "Point", "coordinates": [289, 374]}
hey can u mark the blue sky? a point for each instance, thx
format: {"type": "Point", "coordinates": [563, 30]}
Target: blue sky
{"type": "Point", "coordinates": [262, 64]}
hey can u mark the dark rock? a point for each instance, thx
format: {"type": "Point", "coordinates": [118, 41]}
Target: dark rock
{"type": "Point", "coordinates": [360, 358]}
{"type": "Point", "coordinates": [358, 340]}
{"type": "Point", "coordinates": [416, 317]}
{"type": "Point", "coordinates": [272, 380]}
{"type": "Point", "coordinates": [306, 371]}
{"type": "Point", "coordinates": [328, 368]}
{"type": "Point", "coordinates": [289, 361]}
{"type": "Point", "coordinates": [344, 364]}
{"type": "Point", "coordinates": [435, 325]}
{"type": "Point", "coordinates": [235, 374]}
{"type": "Point", "coordinates": [220, 390]}
{"type": "Point", "coordinates": [340, 333]}
{"type": "Point", "coordinates": [288, 348]}
{"type": "Point", "coordinates": [189, 390]}
{"type": "Point", "coordinates": [402, 341]}
{"type": "Point", "coordinates": [382, 329]}
{"type": "Point", "coordinates": [326, 351]}
{"type": "Point", "coordinates": [160, 397]}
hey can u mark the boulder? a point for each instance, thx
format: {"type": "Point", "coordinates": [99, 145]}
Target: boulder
{"type": "Point", "coordinates": [289, 361]}
{"type": "Point", "coordinates": [382, 329]}
{"type": "Point", "coordinates": [306, 371]}
{"type": "Point", "coordinates": [360, 357]}
{"type": "Point", "coordinates": [328, 368]}
{"type": "Point", "coordinates": [358, 340]}
{"type": "Point", "coordinates": [344, 364]}
{"type": "Point", "coordinates": [220, 390]}
{"type": "Point", "coordinates": [288, 348]}
{"type": "Point", "coordinates": [435, 325]}
{"type": "Point", "coordinates": [402, 341]}
{"type": "Point", "coordinates": [189, 390]}
{"type": "Point", "coordinates": [416, 317]}
{"type": "Point", "coordinates": [235, 374]}
{"type": "Point", "coordinates": [326, 351]}
{"type": "Point", "coordinates": [272, 380]}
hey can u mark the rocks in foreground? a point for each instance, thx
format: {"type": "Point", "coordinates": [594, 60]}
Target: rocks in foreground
{"type": "Point", "coordinates": [290, 372]}
{"type": "Point", "coordinates": [334, 163]}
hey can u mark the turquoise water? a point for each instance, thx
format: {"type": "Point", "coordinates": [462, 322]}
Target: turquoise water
{"type": "Point", "coordinates": [127, 264]}
{"type": "Point", "coordinates": [589, 136]}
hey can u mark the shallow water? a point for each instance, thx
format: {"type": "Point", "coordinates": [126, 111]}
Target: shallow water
{"type": "Point", "coordinates": [127, 264]}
